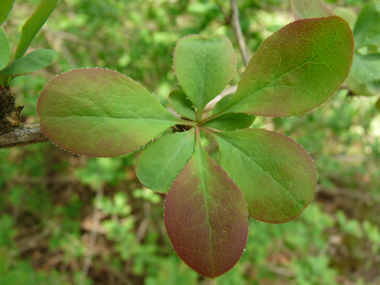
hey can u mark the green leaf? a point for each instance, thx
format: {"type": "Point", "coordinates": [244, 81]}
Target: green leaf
{"type": "Point", "coordinates": [100, 112]}
{"type": "Point", "coordinates": [310, 9]}
{"type": "Point", "coordinates": [181, 104]}
{"type": "Point", "coordinates": [204, 66]}
{"type": "Point", "coordinates": [34, 24]}
{"type": "Point", "coordinates": [377, 105]}
{"type": "Point", "coordinates": [206, 217]}
{"type": "Point", "coordinates": [5, 50]}
{"type": "Point", "coordinates": [36, 60]}
{"type": "Point", "coordinates": [5, 7]}
{"type": "Point", "coordinates": [296, 69]}
{"type": "Point", "coordinates": [161, 162]}
{"type": "Point", "coordinates": [276, 174]}
{"type": "Point", "coordinates": [367, 27]}
{"type": "Point", "coordinates": [231, 122]}
{"type": "Point", "coordinates": [364, 78]}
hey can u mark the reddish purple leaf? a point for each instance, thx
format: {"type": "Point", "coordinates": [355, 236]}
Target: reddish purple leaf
{"type": "Point", "coordinates": [206, 217]}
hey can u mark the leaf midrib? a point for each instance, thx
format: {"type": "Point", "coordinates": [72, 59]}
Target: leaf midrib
{"type": "Point", "coordinates": [112, 118]}
{"type": "Point", "coordinates": [249, 157]}
{"type": "Point", "coordinates": [202, 176]}
{"type": "Point", "coordinates": [280, 77]}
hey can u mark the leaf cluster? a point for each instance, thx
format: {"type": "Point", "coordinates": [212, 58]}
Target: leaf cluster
{"type": "Point", "coordinates": [21, 64]}
{"type": "Point", "coordinates": [102, 113]}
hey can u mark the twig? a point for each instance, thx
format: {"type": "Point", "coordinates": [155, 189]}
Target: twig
{"type": "Point", "coordinates": [235, 24]}
{"type": "Point", "coordinates": [281, 271]}
{"type": "Point", "coordinates": [227, 17]}
{"type": "Point", "coordinates": [27, 134]}
{"type": "Point", "coordinates": [228, 91]}
{"type": "Point", "coordinates": [93, 236]}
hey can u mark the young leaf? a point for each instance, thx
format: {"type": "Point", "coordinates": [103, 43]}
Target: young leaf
{"type": "Point", "coordinates": [206, 217]}
{"type": "Point", "coordinates": [34, 24]}
{"type": "Point", "coordinates": [98, 112]}
{"type": "Point", "coordinates": [5, 7]}
{"type": "Point", "coordinates": [36, 60]}
{"type": "Point", "coordinates": [204, 66]}
{"type": "Point", "coordinates": [5, 50]}
{"type": "Point", "coordinates": [183, 106]}
{"type": "Point", "coordinates": [310, 9]}
{"type": "Point", "coordinates": [276, 174]}
{"type": "Point", "coordinates": [296, 69]}
{"type": "Point", "coordinates": [364, 78]}
{"type": "Point", "coordinates": [161, 162]}
{"type": "Point", "coordinates": [231, 122]}
{"type": "Point", "coordinates": [367, 27]}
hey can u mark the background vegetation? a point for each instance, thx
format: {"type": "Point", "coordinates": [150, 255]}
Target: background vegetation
{"type": "Point", "coordinates": [54, 204]}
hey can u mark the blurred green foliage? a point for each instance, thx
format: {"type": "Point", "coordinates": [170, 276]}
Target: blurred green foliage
{"type": "Point", "coordinates": [48, 196]}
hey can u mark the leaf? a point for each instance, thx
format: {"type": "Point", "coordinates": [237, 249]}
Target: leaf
{"type": "Point", "coordinates": [377, 105]}
{"type": "Point", "coordinates": [367, 27]}
{"type": "Point", "coordinates": [276, 174]}
{"type": "Point", "coordinates": [100, 112]}
{"type": "Point", "coordinates": [310, 9]}
{"type": "Point", "coordinates": [364, 78]}
{"type": "Point", "coordinates": [161, 162]}
{"type": "Point", "coordinates": [204, 66]}
{"type": "Point", "coordinates": [183, 106]}
{"type": "Point", "coordinates": [36, 60]}
{"type": "Point", "coordinates": [206, 217]}
{"type": "Point", "coordinates": [5, 7]}
{"type": "Point", "coordinates": [231, 122]}
{"type": "Point", "coordinates": [34, 24]}
{"type": "Point", "coordinates": [296, 69]}
{"type": "Point", "coordinates": [5, 50]}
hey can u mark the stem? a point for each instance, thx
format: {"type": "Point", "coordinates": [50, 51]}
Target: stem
{"type": "Point", "coordinates": [212, 132]}
{"type": "Point", "coordinates": [27, 134]}
{"type": "Point", "coordinates": [235, 24]}
{"type": "Point", "coordinates": [198, 135]}
{"type": "Point", "coordinates": [233, 21]}
{"type": "Point", "coordinates": [187, 123]}
{"type": "Point", "coordinates": [199, 115]}
{"type": "Point", "coordinates": [7, 81]}
{"type": "Point", "coordinates": [208, 119]}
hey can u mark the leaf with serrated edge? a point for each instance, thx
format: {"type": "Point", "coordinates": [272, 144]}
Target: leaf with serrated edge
{"type": "Point", "coordinates": [33, 25]}
{"type": "Point", "coordinates": [276, 174]}
{"type": "Point", "coordinates": [36, 60]}
{"type": "Point", "coordinates": [183, 106]}
{"type": "Point", "coordinates": [100, 112]}
{"type": "Point", "coordinates": [161, 162]}
{"type": "Point", "coordinates": [5, 7]}
{"type": "Point", "coordinates": [5, 50]}
{"type": "Point", "coordinates": [204, 66]}
{"type": "Point", "coordinates": [296, 69]}
{"type": "Point", "coordinates": [310, 9]}
{"type": "Point", "coordinates": [206, 217]}
{"type": "Point", "coordinates": [231, 122]}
